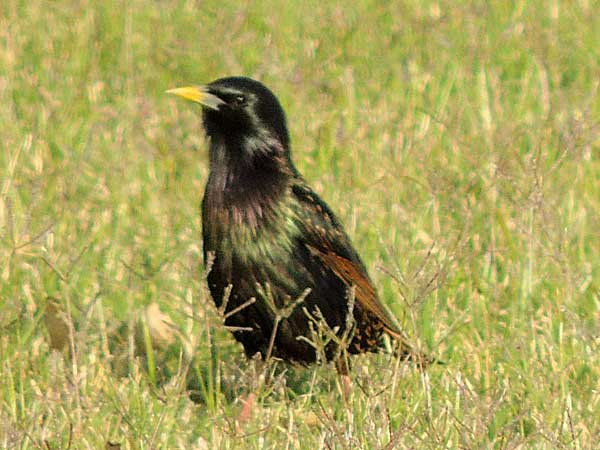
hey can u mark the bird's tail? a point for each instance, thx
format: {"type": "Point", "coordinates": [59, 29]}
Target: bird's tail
{"type": "Point", "coordinates": [406, 351]}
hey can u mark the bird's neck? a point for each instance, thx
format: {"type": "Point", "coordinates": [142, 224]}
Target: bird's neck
{"type": "Point", "coordinates": [245, 185]}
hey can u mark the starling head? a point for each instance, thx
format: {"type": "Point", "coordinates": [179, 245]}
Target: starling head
{"type": "Point", "coordinates": [239, 110]}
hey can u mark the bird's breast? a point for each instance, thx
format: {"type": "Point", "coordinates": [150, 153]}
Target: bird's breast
{"type": "Point", "coordinates": [252, 233]}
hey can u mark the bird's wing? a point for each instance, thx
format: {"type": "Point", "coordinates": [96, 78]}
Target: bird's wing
{"type": "Point", "coordinates": [326, 240]}
{"type": "Point", "coordinates": [364, 291]}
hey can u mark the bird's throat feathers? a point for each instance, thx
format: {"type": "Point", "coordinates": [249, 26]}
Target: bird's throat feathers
{"type": "Point", "coordinates": [247, 178]}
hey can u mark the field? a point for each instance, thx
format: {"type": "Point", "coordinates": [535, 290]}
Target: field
{"type": "Point", "coordinates": [459, 142]}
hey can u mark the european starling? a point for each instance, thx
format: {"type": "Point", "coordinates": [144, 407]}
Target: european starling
{"type": "Point", "coordinates": [270, 237]}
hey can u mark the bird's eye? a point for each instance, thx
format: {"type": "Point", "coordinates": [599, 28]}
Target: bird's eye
{"type": "Point", "coordinates": [239, 100]}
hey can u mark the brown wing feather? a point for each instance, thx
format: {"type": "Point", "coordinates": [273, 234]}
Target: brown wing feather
{"type": "Point", "coordinates": [364, 291]}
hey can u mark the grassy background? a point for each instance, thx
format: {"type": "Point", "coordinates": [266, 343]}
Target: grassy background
{"type": "Point", "coordinates": [458, 141]}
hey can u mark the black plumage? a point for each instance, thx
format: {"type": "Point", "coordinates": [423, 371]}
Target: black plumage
{"type": "Point", "coordinates": [270, 237]}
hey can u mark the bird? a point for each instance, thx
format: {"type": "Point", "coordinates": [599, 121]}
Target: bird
{"type": "Point", "coordinates": [279, 261]}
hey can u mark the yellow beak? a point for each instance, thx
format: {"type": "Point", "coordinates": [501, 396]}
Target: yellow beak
{"type": "Point", "coordinates": [198, 94]}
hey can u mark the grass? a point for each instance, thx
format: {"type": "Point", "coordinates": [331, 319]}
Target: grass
{"type": "Point", "coordinates": [459, 143]}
